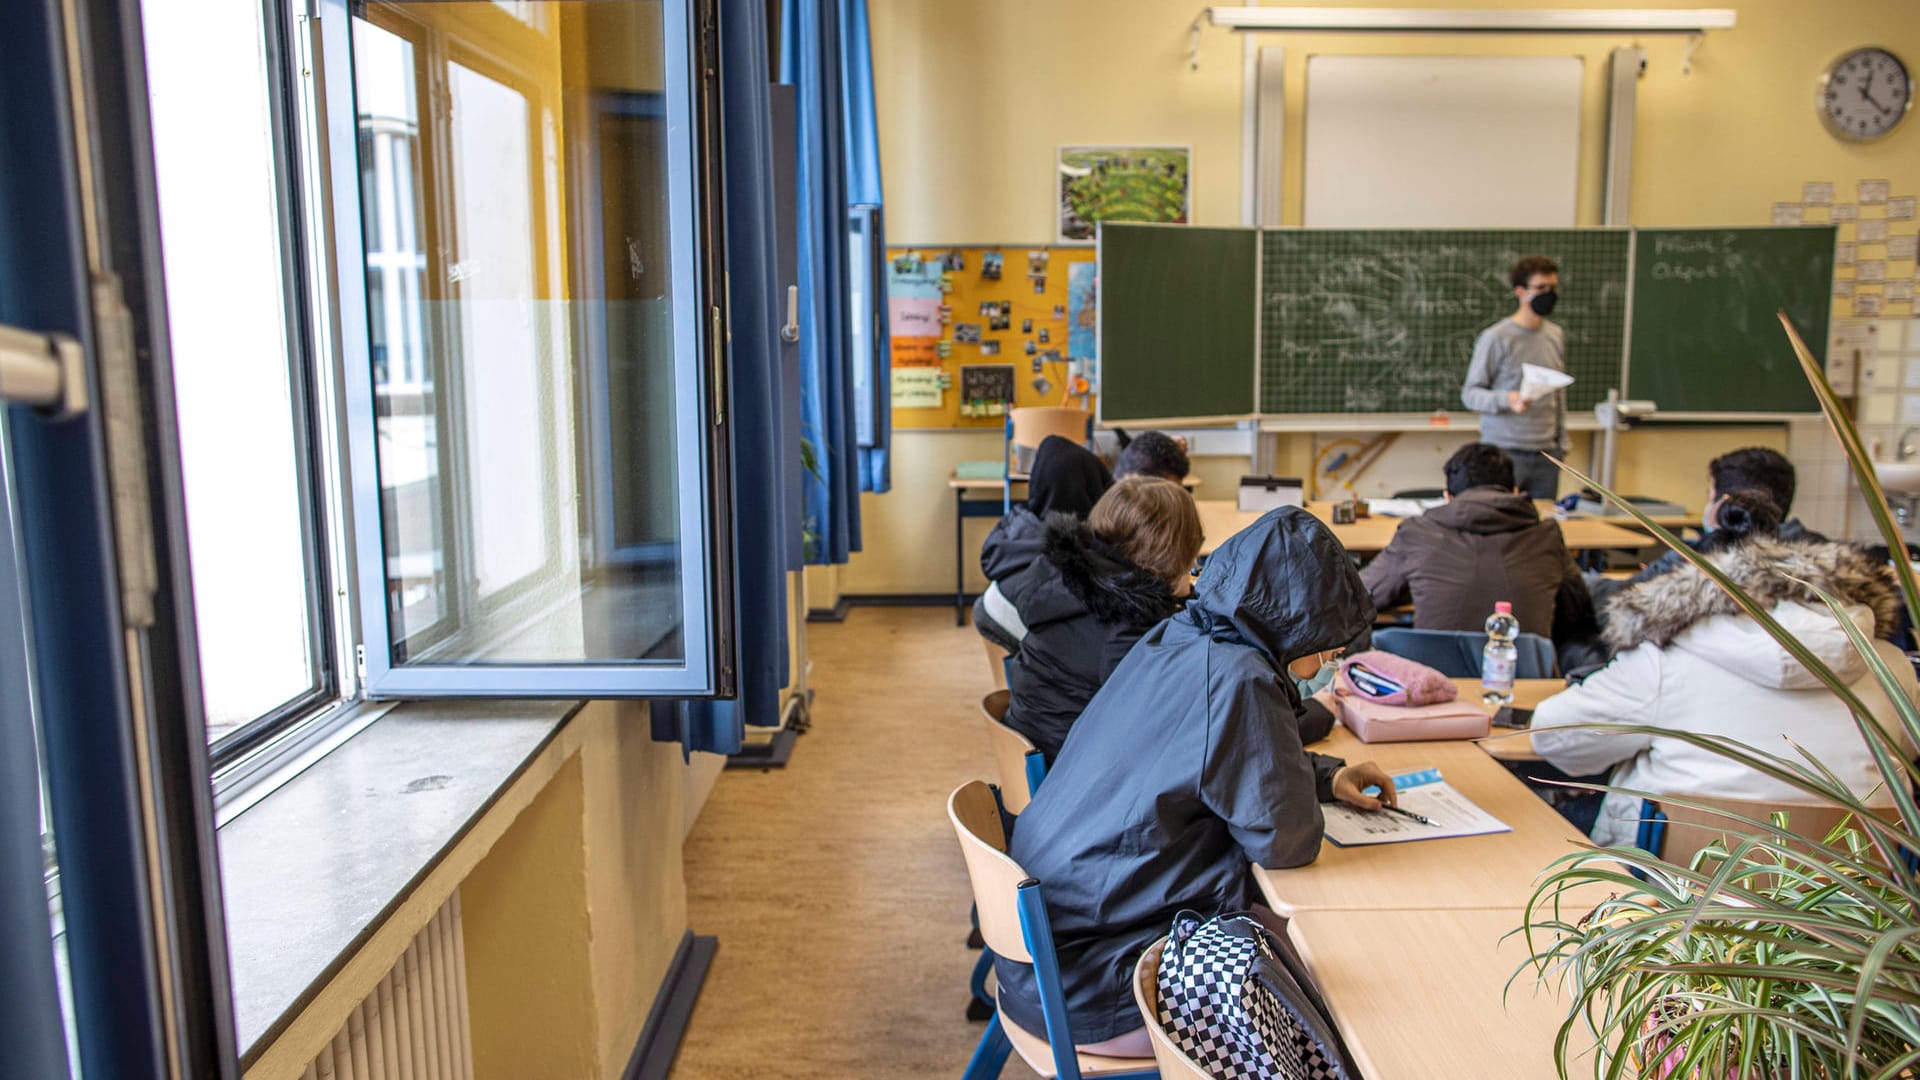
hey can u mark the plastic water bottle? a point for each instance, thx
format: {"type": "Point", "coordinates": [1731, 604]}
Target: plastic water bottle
{"type": "Point", "coordinates": [1500, 658]}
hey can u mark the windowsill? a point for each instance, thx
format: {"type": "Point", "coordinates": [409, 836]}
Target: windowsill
{"type": "Point", "coordinates": [312, 870]}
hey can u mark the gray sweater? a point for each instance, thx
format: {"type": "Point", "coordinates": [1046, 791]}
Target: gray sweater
{"type": "Point", "coordinates": [1497, 359]}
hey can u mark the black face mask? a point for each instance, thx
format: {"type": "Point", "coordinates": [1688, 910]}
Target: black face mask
{"type": "Point", "coordinates": [1542, 303]}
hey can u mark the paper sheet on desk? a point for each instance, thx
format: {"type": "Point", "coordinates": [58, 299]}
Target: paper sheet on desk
{"type": "Point", "coordinates": [1537, 382]}
{"type": "Point", "coordinates": [1402, 508]}
{"type": "Point", "coordinates": [1423, 793]}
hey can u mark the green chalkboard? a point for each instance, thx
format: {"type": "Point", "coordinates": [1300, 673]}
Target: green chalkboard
{"type": "Point", "coordinates": [1177, 312]}
{"type": "Point", "coordinates": [1705, 336]}
{"type": "Point", "coordinates": [1379, 321]}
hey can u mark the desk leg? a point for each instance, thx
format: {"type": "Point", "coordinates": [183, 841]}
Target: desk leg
{"type": "Point", "coordinates": [959, 557]}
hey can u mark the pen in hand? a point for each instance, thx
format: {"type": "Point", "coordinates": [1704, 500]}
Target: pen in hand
{"type": "Point", "coordinates": [1421, 818]}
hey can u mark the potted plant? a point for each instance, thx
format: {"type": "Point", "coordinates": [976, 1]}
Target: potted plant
{"type": "Point", "coordinates": [1772, 953]}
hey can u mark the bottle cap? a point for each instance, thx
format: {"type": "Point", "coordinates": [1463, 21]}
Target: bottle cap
{"type": "Point", "coordinates": [1503, 608]}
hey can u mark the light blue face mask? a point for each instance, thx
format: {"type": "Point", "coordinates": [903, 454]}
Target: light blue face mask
{"type": "Point", "coordinates": [1320, 681]}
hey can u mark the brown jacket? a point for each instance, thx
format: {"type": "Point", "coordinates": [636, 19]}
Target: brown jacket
{"type": "Point", "coordinates": [1456, 561]}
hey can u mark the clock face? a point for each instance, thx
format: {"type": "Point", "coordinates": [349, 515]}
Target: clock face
{"type": "Point", "coordinates": [1865, 94]}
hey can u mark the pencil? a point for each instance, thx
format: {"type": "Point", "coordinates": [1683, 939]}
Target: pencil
{"type": "Point", "coordinates": [1407, 814]}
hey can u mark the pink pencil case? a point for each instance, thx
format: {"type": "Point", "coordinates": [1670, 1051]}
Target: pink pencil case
{"type": "Point", "coordinates": [1372, 722]}
{"type": "Point", "coordinates": [1394, 680]}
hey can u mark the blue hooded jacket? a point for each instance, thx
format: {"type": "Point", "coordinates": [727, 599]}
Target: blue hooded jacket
{"type": "Point", "coordinates": [1186, 768]}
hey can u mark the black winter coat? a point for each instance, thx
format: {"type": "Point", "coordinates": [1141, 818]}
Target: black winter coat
{"type": "Point", "coordinates": [1186, 768]}
{"type": "Point", "coordinates": [1084, 605]}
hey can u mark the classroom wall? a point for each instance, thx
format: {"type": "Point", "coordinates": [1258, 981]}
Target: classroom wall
{"type": "Point", "coordinates": [974, 98]}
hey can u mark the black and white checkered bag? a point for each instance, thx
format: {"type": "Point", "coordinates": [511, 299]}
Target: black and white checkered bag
{"type": "Point", "coordinates": [1238, 1003]}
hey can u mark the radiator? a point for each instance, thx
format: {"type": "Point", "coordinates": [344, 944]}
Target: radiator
{"type": "Point", "coordinates": [414, 1024]}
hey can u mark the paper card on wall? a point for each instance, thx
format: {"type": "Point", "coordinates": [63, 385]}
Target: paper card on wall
{"type": "Point", "coordinates": [1902, 248]}
{"type": "Point", "coordinates": [1909, 408]}
{"type": "Point", "coordinates": [916, 388]}
{"type": "Point", "coordinates": [1817, 193]}
{"type": "Point", "coordinates": [1788, 213]}
{"type": "Point", "coordinates": [1844, 254]}
{"type": "Point", "coordinates": [913, 316]}
{"type": "Point", "coordinates": [1873, 230]}
{"type": "Point", "coordinates": [1870, 270]}
{"type": "Point", "coordinates": [1866, 305]}
{"type": "Point", "coordinates": [1843, 287]}
{"type": "Point", "coordinates": [1901, 208]}
{"type": "Point", "coordinates": [1874, 192]}
{"type": "Point", "coordinates": [1846, 211]}
{"type": "Point", "coordinates": [1901, 292]}
{"type": "Point", "coordinates": [909, 352]}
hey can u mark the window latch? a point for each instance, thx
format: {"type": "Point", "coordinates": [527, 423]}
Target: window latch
{"type": "Point", "coordinates": [47, 371]}
{"type": "Point", "coordinates": [790, 333]}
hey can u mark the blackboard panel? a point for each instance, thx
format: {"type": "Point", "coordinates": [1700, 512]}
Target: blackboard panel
{"type": "Point", "coordinates": [1705, 337]}
{"type": "Point", "coordinates": [1177, 308]}
{"type": "Point", "coordinates": [1383, 321]}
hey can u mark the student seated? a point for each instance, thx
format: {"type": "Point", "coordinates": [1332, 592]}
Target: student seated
{"type": "Point", "coordinates": [1095, 589]}
{"type": "Point", "coordinates": [1487, 544]}
{"type": "Point", "coordinates": [1067, 478]}
{"type": "Point", "coordinates": [1186, 768]}
{"type": "Point", "coordinates": [1153, 453]}
{"type": "Point", "coordinates": [1689, 660]}
{"type": "Point", "coordinates": [1756, 470]}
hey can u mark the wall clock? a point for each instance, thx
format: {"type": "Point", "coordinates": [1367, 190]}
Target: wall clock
{"type": "Point", "coordinates": [1865, 94]}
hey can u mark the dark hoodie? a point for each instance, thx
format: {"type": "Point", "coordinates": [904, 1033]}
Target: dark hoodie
{"type": "Point", "coordinates": [1084, 605]}
{"type": "Point", "coordinates": [1186, 768]}
{"type": "Point", "coordinates": [1456, 561]}
{"type": "Point", "coordinates": [1067, 478]}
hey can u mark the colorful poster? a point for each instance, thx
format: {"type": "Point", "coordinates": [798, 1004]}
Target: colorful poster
{"type": "Point", "coordinates": [913, 316]}
{"type": "Point", "coordinates": [916, 388]}
{"type": "Point", "coordinates": [1083, 313]}
{"type": "Point", "coordinates": [914, 299]}
{"type": "Point", "coordinates": [1118, 183]}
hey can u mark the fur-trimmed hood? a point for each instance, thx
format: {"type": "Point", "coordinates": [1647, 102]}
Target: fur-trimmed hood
{"type": "Point", "coordinates": [1092, 576]}
{"type": "Point", "coordinates": [1661, 610]}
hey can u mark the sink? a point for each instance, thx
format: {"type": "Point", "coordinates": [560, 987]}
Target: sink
{"type": "Point", "coordinates": [1899, 477]}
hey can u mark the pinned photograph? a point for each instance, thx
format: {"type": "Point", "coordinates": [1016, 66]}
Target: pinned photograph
{"type": "Point", "coordinates": [989, 348]}
{"type": "Point", "coordinates": [1045, 334]}
{"type": "Point", "coordinates": [1039, 286]}
{"type": "Point", "coordinates": [1037, 263]}
{"type": "Point", "coordinates": [990, 263]}
{"type": "Point", "coordinates": [1000, 315]}
{"type": "Point", "coordinates": [1026, 326]}
{"type": "Point", "coordinates": [1042, 386]}
{"type": "Point", "coordinates": [967, 333]}
{"type": "Point", "coordinates": [1032, 349]}
{"type": "Point", "coordinates": [1120, 183]}
{"type": "Point", "coordinates": [1060, 311]}
{"type": "Point", "coordinates": [956, 260]}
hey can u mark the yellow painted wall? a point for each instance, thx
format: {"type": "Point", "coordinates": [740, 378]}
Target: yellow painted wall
{"type": "Point", "coordinates": [974, 98]}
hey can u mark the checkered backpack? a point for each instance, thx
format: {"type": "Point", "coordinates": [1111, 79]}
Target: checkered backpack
{"type": "Point", "coordinates": [1238, 1003]}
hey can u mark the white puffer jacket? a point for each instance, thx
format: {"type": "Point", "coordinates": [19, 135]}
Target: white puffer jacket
{"type": "Point", "coordinates": [1687, 660]}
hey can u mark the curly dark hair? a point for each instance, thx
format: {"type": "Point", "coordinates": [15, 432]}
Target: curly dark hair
{"type": "Point", "coordinates": [1479, 464]}
{"type": "Point", "coordinates": [1153, 453]}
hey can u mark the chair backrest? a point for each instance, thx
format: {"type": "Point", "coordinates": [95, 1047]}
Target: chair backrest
{"type": "Point", "coordinates": [1174, 1065]}
{"type": "Point", "coordinates": [1420, 493]}
{"type": "Point", "coordinates": [1456, 653]}
{"type": "Point", "coordinates": [1010, 750]}
{"type": "Point", "coordinates": [1031, 425]}
{"type": "Point", "coordinates": [1688, 830]}
{"type": "Point", "coordinates": [997, 660]}
{"type": "Point", "coordinates": [996, 878]}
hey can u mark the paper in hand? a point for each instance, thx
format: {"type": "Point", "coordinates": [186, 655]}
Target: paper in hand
{"type": "Point", "coordinates": [1537, 382]}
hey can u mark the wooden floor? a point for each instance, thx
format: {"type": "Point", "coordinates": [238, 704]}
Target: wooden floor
{"type": "Point", "coordinates": [835, 885]}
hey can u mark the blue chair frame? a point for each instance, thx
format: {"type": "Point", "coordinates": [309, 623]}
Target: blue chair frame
{"type": "Point", "coordinates": [1456, 653]}
{"type": "Point", "coordinates": [1036, 772]}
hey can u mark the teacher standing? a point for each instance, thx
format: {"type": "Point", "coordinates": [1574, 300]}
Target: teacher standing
{"type": "Point", "coordinates": [1526, 430]}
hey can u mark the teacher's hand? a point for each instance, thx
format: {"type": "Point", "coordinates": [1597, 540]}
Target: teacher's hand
{"type": "Point", "coordinates": [1516, 402]}
{"type": "Point", "coordinates": [1351, 782]}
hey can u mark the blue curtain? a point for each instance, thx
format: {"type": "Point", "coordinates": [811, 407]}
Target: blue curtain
{"type": "Point", "coordinates": [864, 199]}
{"type": "Point", "coordinates": [759, 435]}
{"type": "Point", "coordinates": [810, 61]}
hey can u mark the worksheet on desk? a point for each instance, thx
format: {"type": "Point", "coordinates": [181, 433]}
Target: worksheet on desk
{"type": "Point", "coordinates": [1424, 793]}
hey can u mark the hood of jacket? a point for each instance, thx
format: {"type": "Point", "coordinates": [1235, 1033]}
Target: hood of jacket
{"type": "Point", "coordinates": [1485, 511]}
{"type": "Point", "coordinates": [1674, 609]}
{"type": "Point", "coordinates": [1067, 478]}
{"type": "Point", "coordinates": [1080, 573]}
{"type": "Point", "coordinates": [1285, 586]}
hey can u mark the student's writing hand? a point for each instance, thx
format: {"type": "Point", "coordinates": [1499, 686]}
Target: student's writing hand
{"type": "Point", "coordinates": [1516, 401]}
{"type": "Point", "coordinates": [1350, 786]}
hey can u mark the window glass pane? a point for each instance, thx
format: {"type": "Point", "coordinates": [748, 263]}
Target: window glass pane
{"type": "Point", "coordinates": [520, 288]}
{"type": "Point", "coordinates": [228, 321]}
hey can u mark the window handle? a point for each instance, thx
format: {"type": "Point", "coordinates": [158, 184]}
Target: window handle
{"type": "Point", "coordinates": [790, 333]}
{"type": "Point", "coordinates": [43, 370]}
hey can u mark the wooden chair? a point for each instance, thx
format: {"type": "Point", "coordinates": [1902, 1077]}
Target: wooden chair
{"type": "Point", "coordinates": [1028, 427]}
{"type": "Point", "coordinates": [1019, 762]}
{"type": "Point", "coordinates": [1677, 833]}
{"type": "Point", "coordinates": [997, 660]}
{"type": "Point", "coordinates": [1174, 1064]}
{"type": "Point", "coordinates": [1013, 920]}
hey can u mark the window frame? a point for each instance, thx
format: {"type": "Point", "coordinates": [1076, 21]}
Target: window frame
{"type": "Point", "coordinates": [698, 350]}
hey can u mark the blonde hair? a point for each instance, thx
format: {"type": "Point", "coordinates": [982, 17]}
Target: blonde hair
{"type": "Point", "coordinates": [1153, 522]}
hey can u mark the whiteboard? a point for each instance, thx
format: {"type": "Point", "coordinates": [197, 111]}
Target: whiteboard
{"type": "Point", "coordinates": [1440, 141]}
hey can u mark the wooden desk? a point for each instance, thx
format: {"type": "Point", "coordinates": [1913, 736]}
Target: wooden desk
{"type": "Point", "coordinates": [1496, 870]}
{"type": "Point", "coordinates": [1512, 745]}
{"type": "Point", "coordinates": [1419, 993]}
{"type": "Point", "coordinates": [1220, 518]}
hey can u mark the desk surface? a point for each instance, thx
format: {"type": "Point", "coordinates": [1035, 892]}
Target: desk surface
{"type": "Point", "coordinates": [994, 483]}
{"type": "Point", "coordinates": [1503, 744]}
{"type": "Point", "coordinates": [1221, 518]}
{"type": "Point", "coordinates": [1419, 993]}
{"type": "Point", "coordinates": [1496, 870]}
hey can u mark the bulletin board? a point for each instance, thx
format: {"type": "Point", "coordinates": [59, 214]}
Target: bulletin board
{"type": "Point", "coordinates": [1045, 289]}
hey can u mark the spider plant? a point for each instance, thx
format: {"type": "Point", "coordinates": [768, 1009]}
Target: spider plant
{"type": "Point", "coordinates": [1771, 953]}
